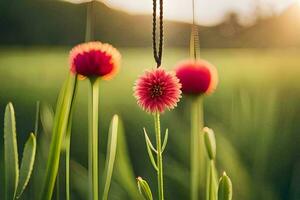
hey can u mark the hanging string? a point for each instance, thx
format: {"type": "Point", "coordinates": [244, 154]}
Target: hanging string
{"type": "Point", "coordinates": [158, 53]}
{"type": "Point", "coordinates": [90, 20]}
{"type": "Point", "coordinates": [194, 44]}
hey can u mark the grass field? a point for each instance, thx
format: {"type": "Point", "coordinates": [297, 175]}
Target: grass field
{"type": "Point", "coordinates": [255, 114]}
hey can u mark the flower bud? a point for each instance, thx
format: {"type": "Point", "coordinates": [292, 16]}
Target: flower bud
{"type": "Point", "coordinates": [225, 188]}
{"type": "Point", "coordinates": [210, 143]}
{"type": "Point", "coordinates": [144, 189]}
{"type": "Point", "coordinates": [197, 77]}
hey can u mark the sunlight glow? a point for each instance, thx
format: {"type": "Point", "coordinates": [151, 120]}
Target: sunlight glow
{"type": "Point", "coordinates": [208, 12]}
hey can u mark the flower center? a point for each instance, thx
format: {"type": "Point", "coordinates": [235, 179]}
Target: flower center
{"type": "Point", "coordinates": [156, 91]}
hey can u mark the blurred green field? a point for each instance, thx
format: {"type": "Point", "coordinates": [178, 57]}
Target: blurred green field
{"type": "Point", "coordinates": [254, 112]}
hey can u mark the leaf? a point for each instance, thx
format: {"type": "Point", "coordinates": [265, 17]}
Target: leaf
{"type": "Point", "coordinates": [60, 124]}
{"type": "Point", "coordinates": [27, 164]}
{"type": "Point", "coordinates": [225, 188]}
{"type": "Point", "coordinates": [149, 141]}
{"type": "Point", "coordinates": [144, 189]}
{"type": "Point", "coordinates": [165, 140]}
{"type": "Point", "coordinates": [149, 144]}
{"type": "Point", "coordinates": [47, 118]}
{"type": "Point", "coordinates": [11, 163]}
{"type": "Point", "coordinates": [111, 154]}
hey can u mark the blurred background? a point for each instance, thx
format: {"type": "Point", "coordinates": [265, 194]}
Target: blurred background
{"type": "Point", "coordinates": [254, 44]}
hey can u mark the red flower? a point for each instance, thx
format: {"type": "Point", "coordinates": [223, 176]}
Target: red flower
{"type": "Point", "coordinates": [157, 90]}
{"type": "Point", "coordinates": [197, 77]}
{"type": "Point", "coordinates": [94, 59]}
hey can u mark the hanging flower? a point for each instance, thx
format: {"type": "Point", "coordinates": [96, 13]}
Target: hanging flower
{"type": "Point", "coordinates": [197, 77]}
{"type": "Point", "coordinates": [94, 59]}
{"type": "Point", "coordinates": [157, 90]}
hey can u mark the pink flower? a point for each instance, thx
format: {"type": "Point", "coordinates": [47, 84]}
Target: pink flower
{"type": "Point", "coordinates": [157, 90]}
{"type": "Point", "coordinates": [94, 59]}
{"type": "Point", "coordinates": [197, 77]}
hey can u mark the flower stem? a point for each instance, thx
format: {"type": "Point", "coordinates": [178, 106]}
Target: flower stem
{"type": "Point", "coordinates": [160, 180]}
{"type": "Point", "coordinates": [211, 186]}
{"type": "Point", "coordinates": [68, 144]}
{"type": "Point", "coordinates": [93, 139]}
{"type": "Point", "coordinates": [195, 151]}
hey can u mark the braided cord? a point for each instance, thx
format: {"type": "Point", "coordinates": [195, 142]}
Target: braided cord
{"type": "Point", "coordinates": [195, 43]}
{"type": "Point", "coordinates": [158, 52]}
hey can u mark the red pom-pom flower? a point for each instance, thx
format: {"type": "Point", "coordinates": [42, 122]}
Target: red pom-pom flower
{"type": "Point", "coordinates": [95, 59]}
{"type": "Point", "coordinates": [197, 77]}
{"type": "Point", "coordinates": [157, 90]}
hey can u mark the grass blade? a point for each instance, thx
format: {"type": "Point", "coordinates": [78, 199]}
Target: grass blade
{"type": "Point", "coordinates": [79, 179]}
{"type": "Point", "coordinates": [27, 164]}
{"type": "Point", "coordinates": [111, 154]}
{"type": "Point", "coordinates": [47, 118]}
{"type": "Point", "coordinates": [37, 114]}
{"type": "Point", "coordinates": [124, 171]}
{"type": "Point", "coordinates": [63, 109]}
{"type": "Point", "coordinates": [11, 164]}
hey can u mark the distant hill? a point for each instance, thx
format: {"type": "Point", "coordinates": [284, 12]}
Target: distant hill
{"type": "Point", "coordinates": [35, 22]}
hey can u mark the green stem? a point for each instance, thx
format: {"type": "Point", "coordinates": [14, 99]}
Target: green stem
{"type": "Point", "coordinates": [93, 138]}
{"type": "Point", "coordinates": [68, 149]}
{"type": "Point", "coordinates": [68, 145]}
{"type": "Point", "coordinates": [160, 179]}
{"type": "Point", "coordinates": [211, 190]}
{"type": "Point", "coordinates": [195, 151]}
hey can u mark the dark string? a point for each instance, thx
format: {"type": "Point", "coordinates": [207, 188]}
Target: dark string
{"type": "Point", "coordinates": [90, 20]}
{"type": "Point", "coordinates": [158, 53]}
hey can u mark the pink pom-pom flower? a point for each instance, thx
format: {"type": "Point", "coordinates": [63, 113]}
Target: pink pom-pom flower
{"type": "Point", "coordinates": [157, 90]}
{"type": "Point", "coordinates": [197, 77]}
{"type": "Point", "coordinates": [95, 59]}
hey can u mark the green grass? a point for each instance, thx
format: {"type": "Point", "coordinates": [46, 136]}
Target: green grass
{"type": "Point", "coordinates": [254, 113]}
